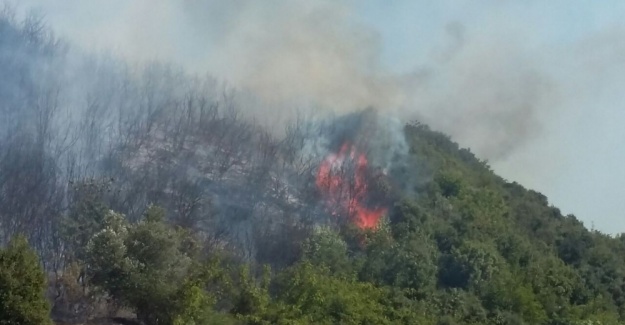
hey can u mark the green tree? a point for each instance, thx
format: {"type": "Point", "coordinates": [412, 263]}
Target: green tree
{"type": "Point", "coordinates": [142, 266]}
{"type": "Point", "coordinates": [195, 306]}
{"type": "Point", "coordinates": [86, 216]}
{"type": "Point", "coordinates": [311, 295]}
{"type": "Point", "coordinates": [326, 248]}
{"type": "Point", "coordinates": [252, 299]}
{"type": "Point", "coordinates": [469, 265]}
{"type": "Point", "coordinates": [22, 286]}
{"type": "Point", "coordinates": [508, 292]}
{"type": "Point", "coordinates": [407, 263]}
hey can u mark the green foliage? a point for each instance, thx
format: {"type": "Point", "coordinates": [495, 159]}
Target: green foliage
{"type": "Point", "coordinates": [409, 263]}
{"type": "Point", "coordinates": [195, 307]}
{"type": "Point", "coordinates": [107, 256]}
{"type": "Point", "coordinates": [466, 247]}
{"type": "Point", "coordinates": [460, 245]}
{"type": "Point", "coordinates": [87, 214]}
{"type": "Point", "coordinates": [469, 265]}
{"type": "Point", "coordinates": [458, 306]}
{"type": "Point", "coordinates": [507, 292]}
{"type": "Point", "coordinates": [311, 295]}
{"type": "Point", "coordinates": [326, 248]}
{"type": "Point", "coordinates": [22, 286]}
{"type": "Point", "coordinates": [505, 246]}
{"type": "Point", "coordinates": [252, 299]}
{"type": "Point", "coordinates": [449, 185]}
{"type": "Point", "coordinates": [142, 266]}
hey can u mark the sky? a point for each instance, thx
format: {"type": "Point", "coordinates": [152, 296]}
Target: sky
{"type": "Point", "coordinates": [578, 161]}
{"type": "Point", "coordinates": [533, 86]}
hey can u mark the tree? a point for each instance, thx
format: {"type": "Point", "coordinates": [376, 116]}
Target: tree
{"type": "Point", "coordinates": [195, 306]}
{"type": "Point", "coordinates": [87, 213]}
{"type": "Point", "coordinates": [142, 266]}
{"type": "Point", "coordinates": [470, 265]}
{"type": "Point", "coordinates": [326, 248]}
{"type": "Point", "coordinates": [310, 295]}
{"type": "Point", "coordinates": [22, 286]}
{"type": "Point", "coordinates": [406, 263]}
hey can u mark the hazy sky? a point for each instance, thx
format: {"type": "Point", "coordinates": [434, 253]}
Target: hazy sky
{"type": "Point", "coordinates": [578, 161]}
{"type": "Point", "coordinates": [537, 87]}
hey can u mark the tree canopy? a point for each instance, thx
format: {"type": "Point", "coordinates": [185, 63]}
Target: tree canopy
{"type": "Point", "coordinates": [22, 286]}
{"type": "Point", "coordinates": [142, 191]}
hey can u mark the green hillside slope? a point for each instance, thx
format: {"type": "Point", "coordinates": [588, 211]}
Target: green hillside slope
{"type": "Point", "coordinates": [149, 198]}
{"type": "Point", "coordinates": [462, 247]}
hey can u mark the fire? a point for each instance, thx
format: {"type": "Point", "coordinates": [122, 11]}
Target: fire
{"type": "Point", "coordinates": [342, 180]}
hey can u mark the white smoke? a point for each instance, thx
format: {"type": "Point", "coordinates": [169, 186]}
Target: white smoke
{"type": "Point", "coordinates": [493, 86]}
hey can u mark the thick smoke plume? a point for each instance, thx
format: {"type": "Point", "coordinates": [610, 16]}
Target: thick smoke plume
{"type": "Point", "coordinates": [317, 56]}
{"type": "Point", "coordinates": [129, 135]}
{"type": "Point", "coordinates": [487, 93]}
{"type": "Point", "coordinates": [223, 112]}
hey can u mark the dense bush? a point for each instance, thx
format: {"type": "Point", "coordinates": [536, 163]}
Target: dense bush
{"type": "Point", "coordinates": [22, 286]}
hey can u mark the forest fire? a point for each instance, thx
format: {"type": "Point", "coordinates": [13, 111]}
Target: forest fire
{"type": "Point", "coordinates": [342, 180]}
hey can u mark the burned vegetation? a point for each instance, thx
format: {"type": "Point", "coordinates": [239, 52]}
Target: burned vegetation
{"type": "Point", "coordinates": [140, 194]}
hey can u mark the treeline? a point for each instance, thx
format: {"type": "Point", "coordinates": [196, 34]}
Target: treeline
{"type": "Point", "coordinates": [467, 248]}
{"type": "Point", "coordinates": [143, 193]}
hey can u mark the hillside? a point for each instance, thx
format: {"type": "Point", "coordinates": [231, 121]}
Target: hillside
{"type": "Point", "coordinates": [149, 195]}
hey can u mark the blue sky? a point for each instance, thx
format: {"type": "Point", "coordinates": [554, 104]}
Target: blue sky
{"type": "Point", "coordinates": [576, 156]}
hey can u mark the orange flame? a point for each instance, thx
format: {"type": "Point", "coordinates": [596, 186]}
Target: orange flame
{"type": "Point", "coordinates": [345, 191]}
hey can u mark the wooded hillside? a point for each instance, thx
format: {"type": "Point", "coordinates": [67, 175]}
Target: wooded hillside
{"type": "Point", "coordinates": [147, 195]}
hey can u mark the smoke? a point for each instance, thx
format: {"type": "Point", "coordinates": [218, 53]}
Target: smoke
{"type": "Point", "coordinates": [318, 56]}
{"type": "Point", "coordinates": [489, 90]}
{"type": "Point", "coordinates": [497, 77]}
{"type": "Point", "coordinates": [304, 53]}
{"type": "Point", "coordinates": [488, 93]}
